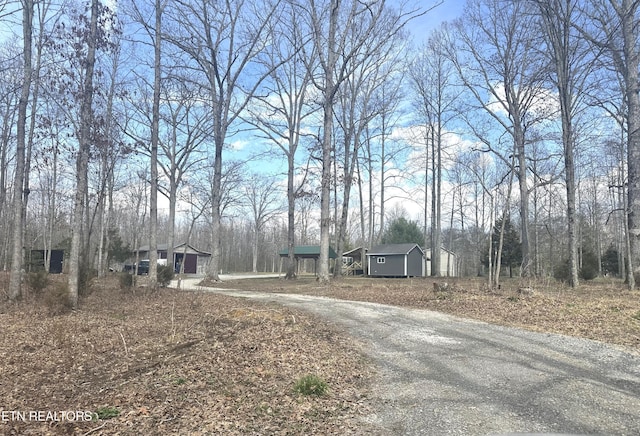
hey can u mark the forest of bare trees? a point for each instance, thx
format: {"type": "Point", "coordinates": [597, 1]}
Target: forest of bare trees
{"type": "Point", "coordinates": [245, 127]}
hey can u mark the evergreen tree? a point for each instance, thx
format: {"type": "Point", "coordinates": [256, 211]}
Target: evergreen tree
{"type": "Point", "coordinates": [402, 231]}
{"type": "Point", "coordinates": [610, 262]}
{"type": "Point", "coordinates": [511, 245]}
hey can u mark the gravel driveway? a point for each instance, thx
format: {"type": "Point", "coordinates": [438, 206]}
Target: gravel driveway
{"type": "Point", "coordinates": [445, 375]}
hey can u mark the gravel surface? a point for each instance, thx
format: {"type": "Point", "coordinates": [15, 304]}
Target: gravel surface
{"type": "Point", "coordinates": [439, 374]}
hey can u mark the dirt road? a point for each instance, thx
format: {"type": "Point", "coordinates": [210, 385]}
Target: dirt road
{"type": "Point", "coordinates": [440, 374]}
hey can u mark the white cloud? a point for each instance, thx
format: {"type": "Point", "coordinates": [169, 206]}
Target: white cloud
{"type": "Point", "coordinates": [238, 145]}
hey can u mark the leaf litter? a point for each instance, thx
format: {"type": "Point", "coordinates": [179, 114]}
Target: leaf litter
{"type": "Point", "coordinates": [192, 363]}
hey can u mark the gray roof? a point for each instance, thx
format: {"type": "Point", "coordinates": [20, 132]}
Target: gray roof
{"type": "Point", "coordinates": [393, 249]}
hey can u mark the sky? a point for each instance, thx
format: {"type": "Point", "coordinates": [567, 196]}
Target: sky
{"type": "Point", "coordinates": [446, 11]}
{"type": "Point", "coordinates": [438, 11]}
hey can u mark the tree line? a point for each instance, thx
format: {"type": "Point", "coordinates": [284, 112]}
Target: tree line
{"type": "Point", "coordinates": [249, 125]}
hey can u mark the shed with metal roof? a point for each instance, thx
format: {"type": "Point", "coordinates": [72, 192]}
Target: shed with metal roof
{"type": "Point", "coordinates": [306, 252]}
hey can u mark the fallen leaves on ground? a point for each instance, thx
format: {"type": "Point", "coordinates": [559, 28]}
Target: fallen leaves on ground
{"type": "Point", "coordinates": [192, 363]}
{"type": "Point", "coordinates": [171, 362]}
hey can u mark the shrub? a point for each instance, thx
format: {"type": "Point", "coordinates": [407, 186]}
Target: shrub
{"type": "Point", "coordinates": [38, 281]}
{"type": "Point", "coordinates": [311, 385]}
{"type": "Point", "coordinates": [57, 299]}
{"type": "Point", "coordinates": [610, 262]}
{"type": "Point", "coordinates": [126, 281]}
{"type": "Point", "coordinates": [636, 278]}
{"type": "Point", "coordinates": [589, 270]}
{"type": "Point", "coordinates": [165, 275]}
{"type": "Point", "coordinates": [562, 272]}
{"type": "Point", "coordinates": [85, 280]}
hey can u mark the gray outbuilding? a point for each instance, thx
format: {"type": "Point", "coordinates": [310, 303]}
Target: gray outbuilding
{"type": "Point", "coordinates": [396, 260]}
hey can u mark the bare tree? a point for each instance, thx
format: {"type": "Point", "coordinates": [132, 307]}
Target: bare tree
{"type": "Point", "coordinates": [572, 63]}
{"type": "Point", "coordinates": [111, 151]}
{"type": "Point", "coordinates": [188, 128]}
{"type": "Point", "coordinates": [264, 204]}
{"type": "Point", "coordinates": [614, 29]}
{"type": "Point", "coordinates": [82, 160]}
{"type": "Point", "coordinates": [480, 172]}
{"type": "Point", "coordinates": [435, 99]}
{"type": "Point", "coordinates": [156, 36]}
{"type": "Point", "coordinates": [342, 32]}
{"type": "Point", "coordinates": [357, 106]}
{"type": "Point", "coordinates": [500, 66]}
{"type": "Point", "coordinates": [9, 97]}
{"type": "Point", "coordinates": [281, 112]}
{"type": "Point", "coordinates": [19, 189]}
{"type": "Point", "coordinates": [379, 156]}
{"type": "Point", "coordinates": [150, 17]}
{"type": "Point", "coordinates": [223, 41]}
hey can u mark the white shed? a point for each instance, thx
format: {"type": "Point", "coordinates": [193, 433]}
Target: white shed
{"type": "Point", "coordinates": [448, 263]}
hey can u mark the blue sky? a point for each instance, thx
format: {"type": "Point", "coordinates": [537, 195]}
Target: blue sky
{"type": "Point", "coordinates": [447, 11]}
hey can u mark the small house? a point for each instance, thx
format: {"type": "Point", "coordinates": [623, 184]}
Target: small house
{"type": "Point", "coordinates": [38, 260]}
{"type": "Point", "coordinates": [352, 261]}
{"type": "Point", "coordinates": [396, 260]}
{"type": "Point", "coordinates": [195, 261]}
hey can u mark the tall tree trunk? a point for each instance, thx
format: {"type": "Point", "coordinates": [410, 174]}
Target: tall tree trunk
{"type": "Point", "coordinates": [519, 144]}
{"type": "Point", "coordinates": [436, 198]}
{"type": "Point", "coordinates": [351, 157]}
{"type": "Point", "coordinates": [82, 160]}
{"type": "Point", "coordinates": [622, 27]}
{"type": "Point", "coordinates": [383, 157]}
{"type": "Point", "coordinates": [171, 237]}
{"type": "Point", "coordinates": [325, 191]}
{"type": "Point", "coordinates": [19, 190]}
{"type": "Point", "coordinates": [107, 173]}
{"type": "Point", "coordinates": [363, 222]}
{"type": "Point", "coordinates": [505, 214]}
{"type": "Point", "coordinates": [155, 133]}
{"type": "Point", "coordinates": [216, 188]}
{"type": "Point", "coordinates": [557, 18]}
{"type": "Point", "coordinates": [291, 217]}
{"type": "Point", "coordinates": [427, 237]}
{"type": "Point", "coordinates": [51, 208]}
{"type": "Point", "coordinates": [629, 26]}
{"type": "Point", "coordinates": [329, 93]}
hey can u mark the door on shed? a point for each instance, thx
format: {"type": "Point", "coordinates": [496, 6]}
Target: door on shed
{"type": "Point", "coordinates": [190, 262]}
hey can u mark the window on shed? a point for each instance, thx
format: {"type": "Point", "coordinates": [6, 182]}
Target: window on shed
{"type": "Point", "coordinates": [380, 259]}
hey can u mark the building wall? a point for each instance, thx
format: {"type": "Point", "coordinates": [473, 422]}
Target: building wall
{"type": "Point", "coordinates": [37, 261]}
{"type": "Point", "coordinates": [415, 263]}
{"type": "Point", "coordinates": [446, 270]}
{"type": "Point", "coordinates": [194, 264]}
{"type": "Point", "coordinates": [393, 265]}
